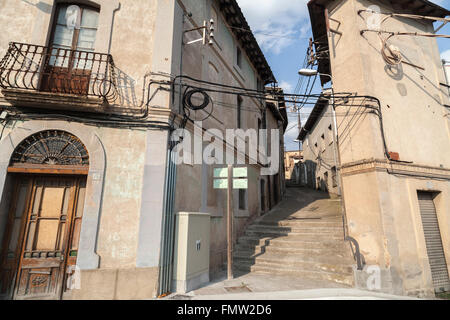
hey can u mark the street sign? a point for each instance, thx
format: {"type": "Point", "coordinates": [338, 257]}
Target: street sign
{"type": "Point", "coordinates": [240, 183]}
{"type": "Point", "coordinates": [221, 183]}
{"type": "Point", "coordinates": [240, 180]}
{"type": "Point", "coordinates": [220, 172]}
{"type": "Point", "coordinates": [240, 172]}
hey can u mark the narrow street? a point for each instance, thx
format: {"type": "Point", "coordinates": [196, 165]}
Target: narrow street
{"type": "Point", "coordinates": [299, 244]}
{"type": "Point", "coordinates": [296, 251]}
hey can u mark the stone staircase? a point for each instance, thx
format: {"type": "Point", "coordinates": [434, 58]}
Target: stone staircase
{"type": "Point", "coordinates": [299, 238]}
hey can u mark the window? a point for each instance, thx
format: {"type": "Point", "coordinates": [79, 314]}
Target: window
{"type": "Point", "coordinates": [259, 84]}
{"type": "Point", "coordinates": [330, 134]}
{"type": "Point", "coordinates": [75, 28]}
{"type": "Point", "coordinates": [239, 111]}
{"type": "Point", "coordinates": [71, 60]}
{"type": "Point", "coordinates": [239, 57]}
{"type": "Point", "coordinates": [242, 199]}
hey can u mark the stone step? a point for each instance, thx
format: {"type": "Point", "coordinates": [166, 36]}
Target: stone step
{"type": "Point", "coordinates": [304, 223]}
{"type": "Point", "coordinates": [307, 251]}
{"type": "Point", "coordinates": [296, 229]}
{"type": "Point", "coordinates": [341, 258]}
{"type": "Point", "coordinates": [346, 279]}
{"type": "Point", "coordinates": [293, 236]}
{"type": "Point", "coordinates": [334, 266]}
{"type": "Point", "coordinates": [291, 242]}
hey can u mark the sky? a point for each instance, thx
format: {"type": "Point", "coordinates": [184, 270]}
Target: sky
{"type": "Point", "coordinates": [282, 28]}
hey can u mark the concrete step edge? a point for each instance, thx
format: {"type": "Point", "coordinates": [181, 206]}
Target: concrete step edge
{"type": "Point", "coordinates": [320, 274]}
{"type": "Point", "coordinates": [341, 265]}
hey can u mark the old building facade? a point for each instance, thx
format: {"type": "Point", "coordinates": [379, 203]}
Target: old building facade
{"type": "Point", "coordinates": [291, 159]}
{"type": "Point", "coordinates": [393, 136]}
{"type": "Point", "coordinates": [90, 94]}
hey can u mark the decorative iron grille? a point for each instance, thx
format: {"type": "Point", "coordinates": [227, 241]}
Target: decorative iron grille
{"type": "Point", "coordinates": [59, 70]}
{"type": "Point", "coordinates": [52, 147]}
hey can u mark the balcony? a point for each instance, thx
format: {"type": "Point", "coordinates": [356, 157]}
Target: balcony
{"type": "Point", "coordinates": [56, 78]}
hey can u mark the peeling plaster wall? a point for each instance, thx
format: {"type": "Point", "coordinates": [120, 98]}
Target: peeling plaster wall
{"type": "Point", "coordinates": [121, 201]}
{"type": "Point", "coordinates": [119, 226]}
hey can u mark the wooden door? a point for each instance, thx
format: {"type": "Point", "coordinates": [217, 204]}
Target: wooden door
{"type": "Point", "coordinates": [11, 244]}
{"type": "Point", "coordinates": [48, 241]}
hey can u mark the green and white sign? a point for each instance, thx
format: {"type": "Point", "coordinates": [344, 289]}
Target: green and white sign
{"type": "Point", "coordinates": [220, 183]}
{"type": "Point", "coordinates": [240, 180]}
{"type": "Point", "coordinates": [240, 183]}
{"type": "Point", "coordinates": [221, 173]}
{"type": "Point", "coordinates": [240, 172]}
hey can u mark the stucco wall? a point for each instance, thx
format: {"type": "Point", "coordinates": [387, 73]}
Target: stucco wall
{"type": "Point", "coordinates": [121, 200]}
{"type": "Point", "coordinates": [117, 233]}
{"type": "Point", "coordinates": [412, 99]}
{"type": "Point", "coordinates": [382, 209]}
{"type": "Point", "coordinates": [125, 30]}
{"type": "Point", "coordinates": [320, 154]}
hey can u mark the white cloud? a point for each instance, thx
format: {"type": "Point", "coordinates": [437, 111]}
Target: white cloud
{"type": "Point", "coordinates": [286, 86]}
{"type": "Point", "coordinates": [270, 18]}
{"type": "Point", "coordinates": [446, 55]}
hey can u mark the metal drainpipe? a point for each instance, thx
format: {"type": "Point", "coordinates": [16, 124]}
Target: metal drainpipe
{"type": "Point", "coordinates": [168, 227]}
{"type": "Point", "coordinates": [444, 62]}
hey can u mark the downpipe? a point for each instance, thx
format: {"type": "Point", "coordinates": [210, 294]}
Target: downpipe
{"type": "Point", "coordinates": [168, 225]}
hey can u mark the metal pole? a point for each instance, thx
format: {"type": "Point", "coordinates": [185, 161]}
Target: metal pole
{"type": "Point", "coordinates": [180, 108]}
{"type": "Point", "coordinates": [299, 129]}
{"type": "Point", "coordinates": [230, 224]}
{"type": "Point", "coordinates": [337, 159]}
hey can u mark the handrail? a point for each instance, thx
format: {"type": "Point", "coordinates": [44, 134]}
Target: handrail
{"type": "Point", "coordinates": [59, 70]}
{"type": "Point", "coordinates": [357, 255]}
{"type": "Point", "coordinates": [360, 261]}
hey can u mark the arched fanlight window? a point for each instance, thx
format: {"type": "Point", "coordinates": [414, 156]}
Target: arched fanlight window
{"type": "Point", "coordinates": [52, 147]}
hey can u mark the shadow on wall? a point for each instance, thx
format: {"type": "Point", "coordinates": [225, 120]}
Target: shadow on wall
{"type": "Point", "coordinates": [126, 89]}
{"type": "Point", "coordinates": [44, 7]}
{"type": "Point", "coordinates": [310, 172]}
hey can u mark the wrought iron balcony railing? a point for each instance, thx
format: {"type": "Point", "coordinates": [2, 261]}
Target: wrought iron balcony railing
{"type": "Point", "coordinates": [60, 71]}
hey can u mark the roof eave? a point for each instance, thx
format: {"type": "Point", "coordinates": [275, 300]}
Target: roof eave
{"type": "Point", "coordinates": [236, 19]}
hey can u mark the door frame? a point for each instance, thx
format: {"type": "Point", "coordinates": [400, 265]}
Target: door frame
{"type": "Point", "coordinates": [88, 258]}
{"type": "Point", "coordinates": [69, 229]}
{"type": "Point", "coordinates": [48, 70]}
